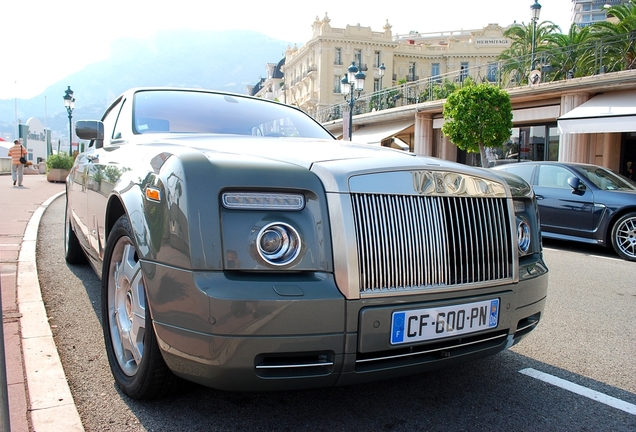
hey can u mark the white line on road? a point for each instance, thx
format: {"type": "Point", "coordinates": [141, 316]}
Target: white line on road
{"type": "Point", "coordinates": [580, 390]}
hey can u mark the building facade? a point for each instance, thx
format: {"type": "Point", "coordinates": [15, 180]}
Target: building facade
{"type": "Point", "coordinates": [586, 12]}
{"type": "Point", "coordinates": [313, 73]}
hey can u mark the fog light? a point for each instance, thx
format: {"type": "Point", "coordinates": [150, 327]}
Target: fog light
{"type": "Point", "coordinates": [278, 243]}
{"type": "Point", "coordinates": [523, 235]}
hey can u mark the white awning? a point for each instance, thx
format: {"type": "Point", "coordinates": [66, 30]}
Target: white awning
{"type": "Point", "coordinates": [374, 134]}
{"type": "Point", "coordinates": [609, 112]}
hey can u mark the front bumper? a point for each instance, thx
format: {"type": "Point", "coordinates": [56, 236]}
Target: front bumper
{"type": "Point", "coordinates": [288, 331]}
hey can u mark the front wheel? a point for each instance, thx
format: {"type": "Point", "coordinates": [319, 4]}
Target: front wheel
{"type": "Point", "coordinates": [131, 345]}
{"type": "Point", "coordinates": [624, 236]}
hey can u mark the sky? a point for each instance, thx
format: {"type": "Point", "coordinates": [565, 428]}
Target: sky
{"type": "Point", "coordinates": [44, 41]}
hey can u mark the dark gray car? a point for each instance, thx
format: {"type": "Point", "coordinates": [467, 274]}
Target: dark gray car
{"type": "Point", "coordinates": [242, 247]}
{"type": "Point", "coordinates": [582, 202]}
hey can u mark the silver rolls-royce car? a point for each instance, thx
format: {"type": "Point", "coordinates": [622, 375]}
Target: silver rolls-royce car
{"type": "Point", "coordinates": [242, 247]}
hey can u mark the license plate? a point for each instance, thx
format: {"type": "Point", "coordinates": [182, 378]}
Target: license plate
{"type": "Point", "coordinates": [447, 321]}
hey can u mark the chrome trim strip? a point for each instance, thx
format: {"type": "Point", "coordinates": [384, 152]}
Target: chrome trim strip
{"type": "Point", "coordinates": [287, 366]}
{"type": "Point", "coordinates": [446, 348]}
{"type": "Point", "coordinates": [531, 324]}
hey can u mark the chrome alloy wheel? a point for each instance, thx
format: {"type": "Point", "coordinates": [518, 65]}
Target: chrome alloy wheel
{"type": "Point", "coordinates": [624, 237]}
{"type": "Point", "coordinates": [126, 306]}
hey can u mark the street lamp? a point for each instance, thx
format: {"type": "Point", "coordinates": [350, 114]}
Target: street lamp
{"type": "Point", "coordinates": [536, 10]}
{"type": "Point", "coordinates": [382, 71]}
{"type": "Point", "coordinates": [69, 103]}
{"type": "Point", "coordinates": [351, 84]}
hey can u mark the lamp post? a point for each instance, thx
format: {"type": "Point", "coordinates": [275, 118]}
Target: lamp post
{"type": "Point", "coordinates": [69, 103]}
{"type": "Point", "coordinates": [536, 11]}
{"type": "Point", "coordinates": [382, 70]}
{"type": "Point", "coordinates": [351, 86]}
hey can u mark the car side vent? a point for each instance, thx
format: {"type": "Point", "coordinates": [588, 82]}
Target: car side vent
{"type": "Point", "coordinates": [294, 365]}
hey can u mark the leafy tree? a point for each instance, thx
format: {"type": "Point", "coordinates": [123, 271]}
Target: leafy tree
{"type": "Point", "coordinates": [477, 116]}
{"type": "Point", "coordinates": [569, 53]}
{"type": "Point", "coordinates": [516, 59]}
{"type": "Point", "coordinates": [620, 54]}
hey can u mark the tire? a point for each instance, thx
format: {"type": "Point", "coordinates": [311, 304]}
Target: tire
{"type": "Point", "coordinates": [624, 236]}
{"type": "Point", "coordinates": [73, 253]}
{"type": "Point", "coordinates": [131, 345]}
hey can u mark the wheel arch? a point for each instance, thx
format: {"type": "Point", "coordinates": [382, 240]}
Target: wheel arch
{"type": "Point", "coordinates": [607, 237]}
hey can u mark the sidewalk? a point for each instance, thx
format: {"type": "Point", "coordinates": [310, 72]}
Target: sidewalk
{"type": "Point", "coordinates": [39, 397]}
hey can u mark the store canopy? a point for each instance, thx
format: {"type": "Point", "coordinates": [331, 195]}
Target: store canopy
{"type": "Point", "coordinates": [609, 112]}
{"type": "Point", "coordinates": [375, 134]}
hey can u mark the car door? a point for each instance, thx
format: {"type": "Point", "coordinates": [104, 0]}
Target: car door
{"type": "Point", "coordinates": [563, 210]}
{"type": "Point", "coordinates": [100, 180]}
{"type": "Point", "coordinates": [77, 197]}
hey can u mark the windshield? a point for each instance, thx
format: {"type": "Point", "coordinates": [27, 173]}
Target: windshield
{"type": "Point", "coordinates": [185, 111]}
{"type": "Point", "coordinates": [605, 179]}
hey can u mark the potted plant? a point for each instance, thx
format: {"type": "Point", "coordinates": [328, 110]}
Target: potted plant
{"type": "Point", "coordinates": [58, 166]}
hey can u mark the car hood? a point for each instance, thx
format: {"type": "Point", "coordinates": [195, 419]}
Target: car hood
{"type": "Point", "coordinates": [334, 161]}
{"type": "Point", "coordinates": [298, 151]}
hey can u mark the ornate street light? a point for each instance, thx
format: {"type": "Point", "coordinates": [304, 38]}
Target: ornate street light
{"type": "Point", "coordinates": [351, 86]}
{"type": "Point", "coordinates": [536, 11]}
{"type": "Point", "coordinates": [382, 70]}
{"type": "Point", "coordinates": [69, 103]}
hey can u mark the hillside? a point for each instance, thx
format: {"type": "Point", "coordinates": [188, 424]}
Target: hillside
{"type": "Point", "coordinates": [227, 60]}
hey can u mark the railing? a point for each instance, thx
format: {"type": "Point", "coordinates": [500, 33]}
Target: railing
{"type": "Point", "coordinates": [586, 59]}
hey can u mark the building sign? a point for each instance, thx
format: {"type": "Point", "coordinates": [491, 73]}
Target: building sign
{"type": "Point", "coordinates": [35, 140]}
{"type": "Point", "coordinates": [498, 42]}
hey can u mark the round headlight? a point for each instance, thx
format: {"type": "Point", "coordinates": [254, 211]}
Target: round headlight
{"type": "Point", "coordinates": [523, 235]}
{"type": "Point", "coordinates": [278, 243]}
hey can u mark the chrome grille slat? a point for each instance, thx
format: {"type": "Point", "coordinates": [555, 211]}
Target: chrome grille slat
{"type": "Point", "coordinates": [408, 243]}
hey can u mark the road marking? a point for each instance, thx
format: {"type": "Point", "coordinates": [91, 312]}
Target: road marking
{"type": "Point", "coordinates": [580, 390]}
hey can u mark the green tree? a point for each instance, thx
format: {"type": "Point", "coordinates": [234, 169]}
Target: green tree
{"type": "Point", "coordinates": [516, 59]}
{"type": "Point", "coordinates": [477, 116]}
{"type": "Point", "coordinates": [569, 53]}
{"type": "Point", "coordinates": [620, 54]}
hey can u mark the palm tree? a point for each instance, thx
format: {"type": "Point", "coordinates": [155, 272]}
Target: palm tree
{"type": "Point", "coordinates": [517, 58]}
{"type": "Point", "coordinates": [620, 54]}
{"type": "Point", "coordinates": [567, 53]}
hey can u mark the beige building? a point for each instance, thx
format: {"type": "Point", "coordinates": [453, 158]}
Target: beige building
{"type": "Point", "coordinates": [313, 71]}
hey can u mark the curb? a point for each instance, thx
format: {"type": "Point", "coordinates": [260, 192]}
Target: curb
{"type": "Point", "coordinates": [51, 403]}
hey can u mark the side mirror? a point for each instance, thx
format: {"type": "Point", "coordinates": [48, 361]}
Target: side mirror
{"type": "Point", "coordinates": [89, 129]}
{"type": "Point", "coordinates": [575, 184]}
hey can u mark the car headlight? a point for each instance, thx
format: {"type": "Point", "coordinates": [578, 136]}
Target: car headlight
{"type": "Point", "coordinates": [278, 243]}
{"type": "Point", "coordinates": [524, 236]}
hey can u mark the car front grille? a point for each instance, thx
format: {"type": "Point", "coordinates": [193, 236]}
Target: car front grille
{"type": "Point", "coordinates": [415, 242]}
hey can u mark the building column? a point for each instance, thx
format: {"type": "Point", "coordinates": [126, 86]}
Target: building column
{"type": "Point", "coordinates": [447, 150]}
{"type": "Point", "coordinates": [607, 150]}
{"type": "Point", "coordinates": [575, 147]}
{"type": "Point", "coordinates": [423, 144]}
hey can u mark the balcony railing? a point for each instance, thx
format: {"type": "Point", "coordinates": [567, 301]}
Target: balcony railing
{"type": "Point", "coordinates": [586, 59]}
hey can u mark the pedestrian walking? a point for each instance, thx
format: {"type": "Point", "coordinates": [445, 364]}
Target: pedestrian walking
{"type": "Point", "coordinates": [18, 159]}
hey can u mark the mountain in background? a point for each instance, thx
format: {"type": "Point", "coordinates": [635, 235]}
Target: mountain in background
{"type": "Point", "coordinates": [216, 60]}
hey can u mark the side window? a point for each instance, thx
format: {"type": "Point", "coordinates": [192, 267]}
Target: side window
{"type": "Point", "coordinates": [522, 170]}
{"type": "Point", "coordinates": [553, 176]}
{"type": "Point", "coordinates": [121, 121]}
{"type": "Point", "coordinates": [111, 131]}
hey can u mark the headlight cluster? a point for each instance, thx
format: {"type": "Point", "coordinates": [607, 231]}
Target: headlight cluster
{"type": "Point", "coordinates": [524, 230]}
{"type": "Point", "coordinates": [274, 221]}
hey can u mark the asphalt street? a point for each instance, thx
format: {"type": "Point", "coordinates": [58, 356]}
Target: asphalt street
{"type": "Point", "coordinates": [586, 340]}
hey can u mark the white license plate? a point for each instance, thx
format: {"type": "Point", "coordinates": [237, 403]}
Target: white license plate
{"type": "Point", "coordinates": [447, 321]}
